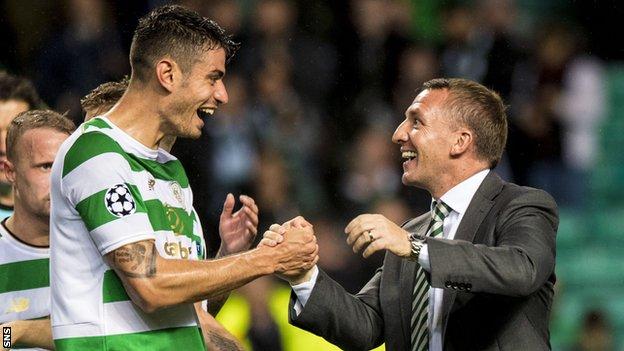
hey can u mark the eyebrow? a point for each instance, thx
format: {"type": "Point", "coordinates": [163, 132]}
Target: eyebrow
{"type": "Point", "coordinates": [215, 74]}
{"type": "Point", "coordinates": [410, 112]}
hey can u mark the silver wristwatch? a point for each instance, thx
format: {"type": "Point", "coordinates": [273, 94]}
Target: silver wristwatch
{"type": "Point", "coordinates": [417, 243]}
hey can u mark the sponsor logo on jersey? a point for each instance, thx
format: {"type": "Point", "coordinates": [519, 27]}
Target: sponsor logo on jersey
{"type": "Point", "coordinates": [175, 222]}
{"type": "Point", "coordinates": [177, 250]}
{"type": "Point", "coordinates": [19, 304]}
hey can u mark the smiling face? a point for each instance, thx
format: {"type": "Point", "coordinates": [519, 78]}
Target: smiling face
{"type": "Point", "coordinates": [426, 139]}
{"type": "Point", "coordinates": [30, 173]}
{"type": "Point", "coordinates": [198, 95]}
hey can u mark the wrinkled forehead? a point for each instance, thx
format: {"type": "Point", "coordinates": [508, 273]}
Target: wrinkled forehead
{"type": "Point", "coordinates": [41, 142]}
{"type": "Point", "coordinates": [428, 100]}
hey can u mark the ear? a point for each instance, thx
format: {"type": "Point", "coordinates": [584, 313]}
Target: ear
{"type": "Point", "coordinates": [8, 168]}
{"type": "Point", "coordinates": [462, 141]}
{"type": "Point", "coordinates": [167, 73]}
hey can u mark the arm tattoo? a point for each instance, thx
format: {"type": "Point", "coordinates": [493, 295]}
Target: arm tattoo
{"type": "Point", "coordinates": [137, 260]}
{"type": "Point", "coordinates": [222, 343]}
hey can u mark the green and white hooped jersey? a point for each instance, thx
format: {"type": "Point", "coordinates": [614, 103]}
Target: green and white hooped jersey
{"type": "Point", "coordinates": [24, 280]}
{"type": "Point", "coordinates": [109, 190]}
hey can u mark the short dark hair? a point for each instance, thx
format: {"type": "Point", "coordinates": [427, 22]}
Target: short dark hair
{"type": "Point", "coordinates": [105, 96]}
{"type": "Point", "coordinates": [20, 89]}
{"type": "Point", "coordinates": [478, 108]}
{"type": "Point", "coordinates": [176, 31]}
{"type": "Point", "coordinates": [34, 119]}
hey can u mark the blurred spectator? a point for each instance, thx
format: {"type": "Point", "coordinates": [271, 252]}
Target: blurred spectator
{"type": "Point", "coordinates": [85, 53]}
{"type": "Point", "coordinates": [581, 107]}
{"type": "Point", "coordinates": [481, 44]}
{"type": "Point", "coordinates": [464, 53]}
{"type": "Point", "coordinates": [372, 169]}
{"type": "Point", "coordinates": [381, 37]}
{"type": "Point", "coordinates": [274, 31]}
{"type": "Point", "coordinates": [233, 160]}
{"type": "Point", "coordinates": [596, 333]}
{"type": "Point", "coordinates": [290, 126]}
{"type": "Point", "coordinates": [263, 333]}
{"type": "Point", "coordinates": [17, 95]}
{"type": "Point", "coordinates": [272, 188]}
{"type": "Point", "coordinates": [417, 65]}
{"type": "Point", "coordinates": [551, 119]}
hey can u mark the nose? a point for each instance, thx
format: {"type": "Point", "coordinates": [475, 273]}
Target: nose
{"type": "Point", "coordinates": [221, 94]}
{"type": "Point", "coordinates": [400, 134]}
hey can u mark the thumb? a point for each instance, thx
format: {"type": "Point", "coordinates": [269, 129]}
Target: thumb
{"type": "Point", "coordinates": [228, 205]}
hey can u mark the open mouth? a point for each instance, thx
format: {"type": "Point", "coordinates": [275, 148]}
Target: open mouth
{"type": "Point", "coordinates": [409, 155]}
{"type": "Point", "coordinates": [205, 112]}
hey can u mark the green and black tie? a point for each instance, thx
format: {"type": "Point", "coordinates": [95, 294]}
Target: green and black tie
{"type": "Point", "coordinates": [420, 301]}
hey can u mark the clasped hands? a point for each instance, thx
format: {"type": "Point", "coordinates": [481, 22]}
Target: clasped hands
{"type": "Point", "coordinates": [368, 233]}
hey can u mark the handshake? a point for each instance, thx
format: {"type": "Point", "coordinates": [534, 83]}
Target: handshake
{"type": "Point", "coordinates": [295, 251]}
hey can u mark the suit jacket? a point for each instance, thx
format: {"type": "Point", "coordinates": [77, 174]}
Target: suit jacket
{"type": "Point", "coordinates": [498, 276]}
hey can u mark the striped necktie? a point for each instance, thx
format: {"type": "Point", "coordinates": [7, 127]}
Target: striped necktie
{"type": "Point", "coordinates": [420, 301]}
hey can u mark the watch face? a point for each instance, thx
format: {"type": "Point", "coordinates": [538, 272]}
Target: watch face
{"type": "Point", "coordinates": [416, 246]}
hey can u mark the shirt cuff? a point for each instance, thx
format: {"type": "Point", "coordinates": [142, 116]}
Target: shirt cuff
{"type": "Point", "coordinates": [303, 291]}
{"type": "Point", "coordinates": [423, 258]}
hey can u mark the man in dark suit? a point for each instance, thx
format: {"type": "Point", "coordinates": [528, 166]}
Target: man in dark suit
{"type": "Point", "coordinates": [476, 273]}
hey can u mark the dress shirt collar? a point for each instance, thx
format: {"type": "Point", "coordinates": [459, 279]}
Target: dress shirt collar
{"type": "Point", "coordinates": [459, 197]}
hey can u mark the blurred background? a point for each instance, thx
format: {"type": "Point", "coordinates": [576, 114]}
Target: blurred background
{"type": "Point", "coordinates": [315, 94]}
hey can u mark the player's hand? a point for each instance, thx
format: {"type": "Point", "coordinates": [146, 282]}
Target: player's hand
{"type": "Point", "coordinates": [237, 230]}
{"type": "Point", "coordinates": [374, 232]}
{"type": "Point", "coordinates": [275, 234]}
{"type": "Point", "coordinates": [296, 253]}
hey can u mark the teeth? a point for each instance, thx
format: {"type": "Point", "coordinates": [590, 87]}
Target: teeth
{"type": "Point", "coordinates": [408, 154]}
{"type": "Point", "coordinates": [209, 111]}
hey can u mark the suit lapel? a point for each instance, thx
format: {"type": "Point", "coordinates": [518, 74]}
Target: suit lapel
{"type": "Point", "coordinates": [479, 207]}
{"type": "Point", "coordinates": [407, 276]}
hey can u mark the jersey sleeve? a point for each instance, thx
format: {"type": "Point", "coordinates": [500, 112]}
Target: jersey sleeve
{"type": "Point", "coordinates": [98, 182]}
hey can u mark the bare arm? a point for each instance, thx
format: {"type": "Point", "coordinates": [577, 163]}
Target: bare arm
{"type": "Point", "coordinates": [216, 337]}
{"type": "Point", "coordinates": [31, 333]}
{"type": "Point", "coordinates": [153, 282]}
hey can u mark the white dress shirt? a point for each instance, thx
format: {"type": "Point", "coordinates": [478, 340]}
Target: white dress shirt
{"type": "Point", "coordinates": [458, 199]}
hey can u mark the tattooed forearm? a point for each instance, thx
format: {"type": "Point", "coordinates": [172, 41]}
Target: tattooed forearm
{"type": "Point", "coordinates": [222, 343]}
{"type": "Point", "coordinates": [137, 260]}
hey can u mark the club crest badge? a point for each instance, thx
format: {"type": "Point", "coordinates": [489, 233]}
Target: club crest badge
{"type": "Point", "coordinates": [176, 190]}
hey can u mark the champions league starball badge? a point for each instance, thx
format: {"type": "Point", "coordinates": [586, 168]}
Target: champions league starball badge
{"type": "Point", "coordinates": [119, 201]}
